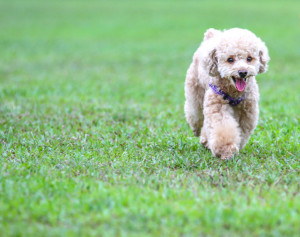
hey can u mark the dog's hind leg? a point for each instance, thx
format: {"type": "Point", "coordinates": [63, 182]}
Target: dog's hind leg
{"type": "Point", "coordinates": [194, 94]}
{"type": "Point", "coordinates": [248, 121]}
{"type": "Point", "coordinates": [193, 116]}
{"type": "Point", "coordinates": [203, 138]}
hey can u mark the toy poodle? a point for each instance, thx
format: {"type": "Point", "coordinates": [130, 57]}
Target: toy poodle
{"type": "Point", "coordinates": [221, 91]}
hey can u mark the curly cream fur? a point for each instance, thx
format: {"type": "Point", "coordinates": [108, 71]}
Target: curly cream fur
{"type": "Point", "coordinates": [224, 129]}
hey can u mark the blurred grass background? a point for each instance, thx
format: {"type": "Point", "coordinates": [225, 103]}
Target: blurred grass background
{"type": "Point", "coordinates": [92, 130]}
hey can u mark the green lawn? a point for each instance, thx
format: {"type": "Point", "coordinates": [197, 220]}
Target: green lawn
{"type": "Point", "coordinates": [93, 136]}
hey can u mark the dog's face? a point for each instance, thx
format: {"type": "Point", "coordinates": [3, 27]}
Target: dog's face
{"type": "Point", "coordinates": [238, 66]}
{"type": "Point", "coordinates": [238, 56]}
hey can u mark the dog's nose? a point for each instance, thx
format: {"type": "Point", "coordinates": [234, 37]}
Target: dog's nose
{"type": "Point", "coordinates": [242, 73]}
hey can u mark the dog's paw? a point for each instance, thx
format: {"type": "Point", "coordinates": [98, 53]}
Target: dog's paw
{"type": "Point", "coordinates": [203, 140]}
{"type": "Point", "coordinates": [228, 151]}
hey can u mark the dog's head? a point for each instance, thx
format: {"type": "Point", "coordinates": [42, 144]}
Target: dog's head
{"type": "Point", "coordinates": [237, 56]}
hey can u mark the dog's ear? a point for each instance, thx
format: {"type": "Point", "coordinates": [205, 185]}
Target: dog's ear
{"type": "Point", "coordinates": [210, 33]}
{"type": "Point", "coordinates": [263, 58]}
{"type": "Point", "coordinates": [212, 63]}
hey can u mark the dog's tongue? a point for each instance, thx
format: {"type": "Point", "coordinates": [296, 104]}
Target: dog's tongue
{"type": "Point", "coordinates": [240, 84]}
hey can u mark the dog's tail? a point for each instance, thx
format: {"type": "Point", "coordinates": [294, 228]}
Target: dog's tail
{"type": "Point", "coordinates": [210, 33]}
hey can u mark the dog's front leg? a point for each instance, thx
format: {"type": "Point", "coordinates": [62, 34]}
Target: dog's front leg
{"type": "Point", "coordinates": [222, 130]}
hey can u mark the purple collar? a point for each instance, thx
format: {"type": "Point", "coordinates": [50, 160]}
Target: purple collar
{"type": "Point", "coordinates": [231, 100]}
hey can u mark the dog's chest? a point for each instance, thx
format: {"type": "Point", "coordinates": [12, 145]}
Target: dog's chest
{"type": "Point", "coordinates": [239, 112]}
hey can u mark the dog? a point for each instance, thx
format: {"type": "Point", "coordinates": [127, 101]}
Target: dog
{"type": "Point", "coordinates": [221, 92]}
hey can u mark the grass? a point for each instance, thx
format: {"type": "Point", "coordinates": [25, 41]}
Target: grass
{"type": "Point", "coordinates": [93, 136]}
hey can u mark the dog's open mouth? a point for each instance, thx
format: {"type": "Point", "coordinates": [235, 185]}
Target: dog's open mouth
{"type": "Point", "coordinates": [240, 83]}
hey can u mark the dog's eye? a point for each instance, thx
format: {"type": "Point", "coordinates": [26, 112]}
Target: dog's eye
{"type": "Point", "coordinates": [249, 59]}
{"type": "Point", "coordinates": [230, 60]}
